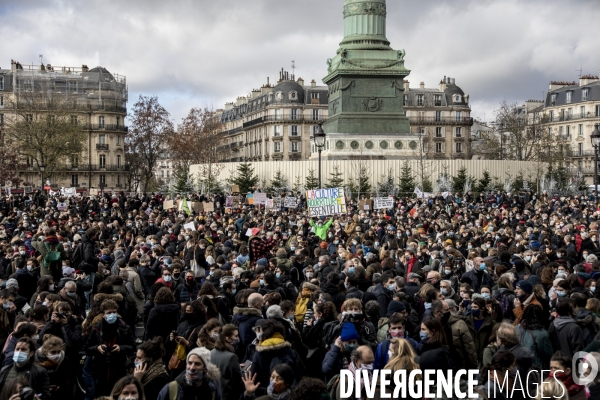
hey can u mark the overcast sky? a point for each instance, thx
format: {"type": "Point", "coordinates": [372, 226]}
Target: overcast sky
{"type": "Point", "coordinates": [199, 52]}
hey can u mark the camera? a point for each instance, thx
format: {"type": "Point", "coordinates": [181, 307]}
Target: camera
{"type": "Point", "coordinates": [60, 315]}
{"type": "Point", "coordinates": [26, 393]}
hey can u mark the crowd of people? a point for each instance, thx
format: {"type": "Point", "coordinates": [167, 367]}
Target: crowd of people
{"type": "Point", "coordinates": [115, 297]}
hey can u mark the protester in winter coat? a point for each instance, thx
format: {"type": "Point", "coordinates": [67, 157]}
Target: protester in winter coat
{"type": "Point", "coordinates": [480, 325]}
{"type": "Point", "coordinates": [532, 335]}
{"type": "Point", "coordinates": [24, 366]}
{"type": "Point", "coordinates": [149, 367]}
{"type": "Point", "coordinates": [224, 358]}
{"type": "Point", "coordinates": [564, 332]}
{"type": "Point", "coordinates": [164, 317]}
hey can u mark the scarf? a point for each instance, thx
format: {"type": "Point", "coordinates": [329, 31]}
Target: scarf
{"type": "Point", "coordinates": [567, 380]}
{"type": "Point", "coordinates": [274, 340]}
{"type": "Point", "coordinates": [52, 240]}
{"type": "Point", "coordinates": [155, 370]}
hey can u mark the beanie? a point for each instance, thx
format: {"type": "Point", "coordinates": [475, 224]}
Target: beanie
{"type": "Point", "coordinates": [348, 332]}
{"type": "Point", "coordinates": [394, 307]}
{"type": "Point", "coordinates": [263, 262]}
{"type": "Point", "coordinates": [526, 286]}
{"type": "Point", "coordinates": [201, 352]}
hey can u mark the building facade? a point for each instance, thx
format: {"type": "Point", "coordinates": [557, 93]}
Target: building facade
{"type": "Point", "coordinates": [570, 111]}
{"type": "Point", "coordinates": [99, 106]}
{"type": "Point", "coordinates": [273, 123]}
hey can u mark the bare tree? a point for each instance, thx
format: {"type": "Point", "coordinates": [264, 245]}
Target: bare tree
{"type": "Point", "coordinates": [9, 164]}
{"type": "Point", "coordinates": [150, 131]}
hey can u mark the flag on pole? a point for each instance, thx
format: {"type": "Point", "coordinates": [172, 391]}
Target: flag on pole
{"type": "Point", "coordinates": [185, 207]}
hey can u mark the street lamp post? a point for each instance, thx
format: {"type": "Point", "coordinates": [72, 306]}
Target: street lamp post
{"type": "Point", "coordinates": [596, 143]}
{"type": "Point", "coordinates": [319, 138]}
{"type": "Point", "coordinates": [101, 185]}
{"type": "Point", "coordinates": [42, 168]}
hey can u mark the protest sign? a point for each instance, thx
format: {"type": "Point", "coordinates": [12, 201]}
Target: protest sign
{"type": "Point", "coordinates": [168, 204]}
{"type": "Point", "coordinates": [208, 207]}
{"type": "Point", "coordinates": [277, 203]}
{"type": "Point", "coordinates": [61, 206]}
{"type": "Point", "coordinates": [93, 192]}
{"type": "Point", "coordinates": [229, 201]}
{"type": "Point", "coordinates": [260, 198]}
{"type": "Point", "coordinates": [68, 192]}
{"type": "Point", "coordinates": [197, 207]}
{"type": "Point", "coordinates": [189, 225]}
{"type": "Point", "coordinates": [365, 205]}
{"type": "Point", "coordinates": [383, 202]}
{"type": "Point", "coordinates": [324, 202]}
{"type": "Point", "coordinates": [235, 189]}
{"type": "Point", "coordinates": [289, 202]}
{"type": "Point", "coordinates": [148, 211]}
{"type": "Point", "coordinates": [250, 197]}
{"type": "Point", "coordinates": [269, 204]}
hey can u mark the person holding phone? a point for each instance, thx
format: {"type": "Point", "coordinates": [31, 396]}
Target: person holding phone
{"type": "Point", "coordinates": [149, 367]}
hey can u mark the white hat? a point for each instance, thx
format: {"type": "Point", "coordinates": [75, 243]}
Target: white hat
{"type": "Point", "coordinates": [212, 372]}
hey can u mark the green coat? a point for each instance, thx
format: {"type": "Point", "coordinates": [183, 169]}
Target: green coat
{"type": "Point", "coordinates": [538, 341]}
{"type": "Point", "coordinates": [481, 337]}
{"type": "Point", "coordinates": [321, 231]}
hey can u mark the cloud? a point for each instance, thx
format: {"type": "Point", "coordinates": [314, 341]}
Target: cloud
{"type": "Point", "coordinates": [199, 52]}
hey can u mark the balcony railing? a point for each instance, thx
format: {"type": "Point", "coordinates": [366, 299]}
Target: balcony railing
{"type": "Point", "coordinates": [108, 127]}
{"type": "Point", "coordinates": [92, 167]}
{"type": "Point", "coordinates": [101, 146]}
{"type": "Point", "coordinates": [441, 121]}
{"type": "Point", "coordinates": [571, 117]}
{"type": "Point", "coordinates": [284, 118]}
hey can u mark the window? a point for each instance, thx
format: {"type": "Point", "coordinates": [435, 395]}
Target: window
{"type": "Point", "coordinates": [294, 114]}
{"type": "Point", "coordinates": [118, 160]}
{"type": "Point", "coordinates": [118, 180]}
{"type": "Point", "coordinates": [315, 115]}
{"type": "Point", "coordinates": [295, 147]}
{"type": "Point", "coordinates": [1, 83]}
{"type": "Point", "coordinates": [314, 95]}
{"type": "Point", "coordinates": [277, 147]}
{"type": "Point", "coordinates": [1, 119]}
{"type": "Point", "coordinates": [438, 148]}
{"type": "Point", "coordinates": [101, 122]}
{"type": "Point", "coordinates": [582, 111]}
{"type": "Point", "coordinates": [584, 94]}
{"type": "Point", "coordinates": [562, 115]}
{"type": "Point", "coordinates": [419, 99]}
{"type": "Point", "coordinates": [102, 160]}
{"type": "Point", "coordinates": [74, 180]}
{"type": "Point", "coordinates": [102, 179]}
{"type": "Point", "coordinates": [405, 100]}
{"type": "Point", "coordinates": [437, 100]}
{"type": "Point", "coordinates": [29, 118]}
{"type": "Point", "coordinates": [73, 119]}
{"type": "Point", "coordinates": [580, 130]}
{"type": "Point", "coordinates": [457, 116]}
{"type": "Point", "coordinates": [293, 95]}
{"type": "Point", "coordinates": [457, 98]}
{"type": "Point", "coordinates": [438, 131]}
{"type": "Point", "coordinates": [553, 99]}
{"type": "Point", "coordinates": [118, 121]}
{"type": "Point", "coordinates": [74, 160]}
{"type": "Point", "coordinates": [560, 130]}
{"type": "Point", "coordinates": [458, 132]}
{"type": "Point", "coordinates": [580, 149]}
{"type": "Point", "coordinates": [277, 130]}
{"type": "Point", "coordinates": [118, 140]}
{"type": "Point", "coordinates": [1, 100]}
{"type": "Point", "coordinates": [101, 139]}
{"type": "Point", "coordinates": [568, 130]}
{"type": "Point", "coordinates": [294, 131]}
{"type": "Point", "coordinates": [459, 147]}
{"type": "Point", "coordinates": [438, 116]}
{"type": "Point", "coordinates": [551, 116]}
{"type": "Point", "coordinates": [570, 113]}
{"type": "Point", "coordinates": [598, 111]}
{"type": "Point", "coordinates": [569, 97]}
{"type": "Point", "coordinates": [421, 130]}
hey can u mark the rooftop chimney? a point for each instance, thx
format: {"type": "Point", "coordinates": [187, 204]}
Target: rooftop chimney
{"type": "Point", "coordinates": [300, 81]}
{"type": "Point", "coordinates": [422, 85]}
{"type": "Point", "coordinates": [313, 83]}
{"type": "Point", "coordinates": [84, 68]}
{"type": "Point", "coordinates": [587, 79]}
{"type": "Point", "coordinates": [443, 84]}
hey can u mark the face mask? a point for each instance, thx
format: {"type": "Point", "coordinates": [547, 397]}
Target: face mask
{"type": "Point", "coordinates": [482, 267]}
{"type": "Point", "coordinates": [309, 275]}
{"type": "Point", "coordinates": [71, 294]}
{"type": "Point", "coordinates": [262, 282]}
{"type": "Point", "coordinates": [193, 377]}
{"type": "Point", "coordinates": [45, 304]}
{"type": "Point", "coordinates": [354, 242]}
{"type": "Point", "coordinates": [187, 238]}
{"type": "Point", "coordinates": [368, 367]}
{"type": "Point", "coordinates": [214, 336]}
{"type": "Point", "coordinates": [350, 347]}
{"type": "Point", "coordinates": [447, 271]}
{"type": "Point", "coordinates": [444, 291]}
{"type": "Point", "coordinates": [7, 306]}
{"type": "Point", "coordinates": [593, 289]}
{"type": "Point", "coordinates": [585, 256]}
{"type": "Point", "coordinates": [486, 296]}
{"type": "Point", "coordinates": [19, 357]}
{"type": "Point", "coordinates": [278, 275]}
{"type": "Point", "coordinates": [56, 357]}
{"type": "Point", "coordinates": [561, 293]}
{"type": "Point", "coordinates": [351, 270]}
{"type": "Point", "coordinates": [111, 318]}
{"type": "Point", "coordinates": [470, 247]}
{"type": "Point", "coordinates": [399, 235]}
{"type": "Point", "coordinates": [391, 287]}
{"type": "Point", "coordinates": [528, 258]}
{"type": "Point", "coordinates": [562, 272]}
{"type": "Point", "coordinates": [397, 333]}
{"type": "Point", "coordinates": [476, 313]}
{"type": "Point", "coordinates": [29, 268]}
{"type": "Point", "coordinates": [22, 253]}
{"type": "Point", "coordinates": [235, 341]}
{"type": "Point", "coordinates": [292, 248]}
{"type": "Point", "coordinates": [423, 335]}
{"type": "Point", "coordinates": [559, 255]}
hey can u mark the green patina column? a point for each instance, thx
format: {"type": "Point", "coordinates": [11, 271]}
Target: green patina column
{"type": "Point", "coordinates": [365, 78]}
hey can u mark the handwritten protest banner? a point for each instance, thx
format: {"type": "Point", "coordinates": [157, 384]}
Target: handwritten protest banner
{"type": "Point", "coordinates": [229, 202]}
{"type": "Point", "coordinates": [323, 202]}
{"type": "Point", "coordinates": [289, 202]}
{"type": "Point", "coordinates": [260, 198]}
{"type": "Point", "coordinates": [383, 202]}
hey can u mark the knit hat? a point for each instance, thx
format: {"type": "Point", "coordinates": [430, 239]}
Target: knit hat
{"type": "Point", "coordinates": [526, 286]}
{"type": "Point", "coordinates": [263, 262]}
{"type": "Point", "coordinates": [12, 283]}
{"type": "Point", "coordinates": [67, 271]}
{"type": "Point", "coordinates": [204, 354]}
{"type": "Point", "coordinates": [323, 245]}
{"type": "Point", "coordinates": [349, 332]}
{"type": "Point", "coordinates": [394, 307]}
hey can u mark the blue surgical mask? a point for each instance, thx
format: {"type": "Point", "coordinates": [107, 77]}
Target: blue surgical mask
{"type": "Point", "coordinates": [482, 267]}
{"type": "Point", "coordinates": [391, 287]}
{"type": "Point", "coordinates": [138, 363]}
{"type": "Point", "coordinates": [111, 318]}
{"type": "Point", "coordinates": [19, 357]}
{"type": "Point", "coordinates": [444, 291]}
{"type": "Point", "coordinates": [447, 271]}
{"type": "Point", "coordinates": [351, 270]}
{"type": "Point", "coordinates": [561, 293]}
{"type": "Point", "coordinates": [278, 275]}
{"type": "Point", "coordinates": [423, 335]}
{"type": "Point", "coordinates": [167, 278]}
{"type": "Point", "coordinates": [71, 294]}
{"type": "Point", "coordinates": [262, 282]}
{"type": "Point", "coordinates": [233, 291]}
{"type": "Point", "coordinates": [593, 289]}
{"type": "Point", "coordinates": [528, 258]}
{"type": "Point", "coordinates": [350, 347]}
{"type": "Point", "coordinates": [485, 296]}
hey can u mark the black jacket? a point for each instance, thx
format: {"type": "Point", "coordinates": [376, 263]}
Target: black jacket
{"type": "Point", "coordinates": [36, 375]}
{"type": "Point", "coordinates": [163, 319]}
{"type": "Point", "coordinates": [89, 253]}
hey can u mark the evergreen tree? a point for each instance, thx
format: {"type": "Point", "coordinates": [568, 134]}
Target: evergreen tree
{"type": "Point", "coordinates": [336, 178]}
{"type": "Point", "coordinates": [364, 186]}
{"type": "Point", "coordinates": [387, 186]}
{"type": "Point", "coordinates": [458, 181]}
{"type": "Point", "coordinates": [245, 178]}
{"type": "Point", "coordinates": [427, 185]}
{"type": "Point", "coordinates": [297, 184]}
{"type": "Point", "coordinates": [407, 182]}
{"type": "Point", "coordinates": [212, 185]}
{"type": "Point", "coordinates": [483, 185]}
{"type": "Point", "coordinates": [184, 182]}
{"type": "Point", "coordinates": [312, 182]}
{"type": "Point", "coordinates": [278, 183]}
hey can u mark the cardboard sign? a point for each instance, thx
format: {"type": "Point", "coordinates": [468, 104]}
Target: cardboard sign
{"type": "Point", "coordinates": [168, 204]}
{"type": "Point", "coordinates": [269, 204]}
{"type": "Point", "coordinates": [235, 189]}
{"type": "Point", "coordinates": [189, 225]}
{"type": "Point", "coordinates": [93, 192]}
{"type": "Point", "coordinates": [68, 192]}
{"type": "Point", "coordinates": [197, 207]}
{"type": "Point", "coordinates": [208, 207]}
{"type": "Point", "coordinates": [365, 205]}
{"type": "Point", "coordinates": [61, 206]}
{"type": "Point", "coordinates": [260, 198]}
{"type": "Point", "coordinates": [324, 202]}
{"type": "Point", "coordinates": [289, 202]}
{"type": "Point", "coordinates": [229, 202]}
{"type": "Point", "coordinates": [383, 202]}
{"type": "Point", "coordinates": [250, 198]}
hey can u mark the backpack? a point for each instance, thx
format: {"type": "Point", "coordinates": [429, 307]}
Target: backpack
{"type": "Point", "coordinates": [504, 302]}
{"type": "Point", "coordinates": [173, 390]}
{"type": "Point", "coordinates": [51, 255]}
